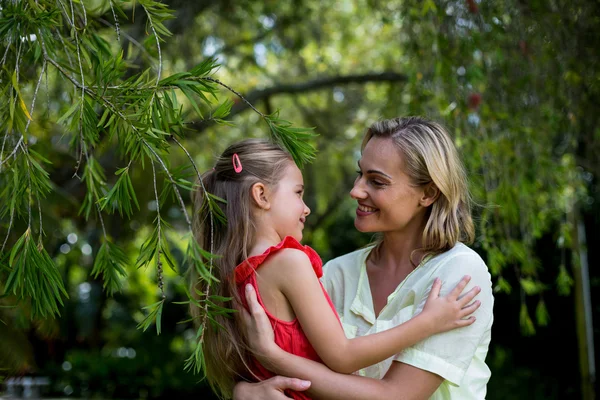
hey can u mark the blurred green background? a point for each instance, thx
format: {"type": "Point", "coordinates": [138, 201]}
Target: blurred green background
{"type": "Point", "coordinates": [516, 82]}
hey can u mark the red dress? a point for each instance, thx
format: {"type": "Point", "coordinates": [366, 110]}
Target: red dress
{"type": "Point", "coordinates": [288, 334]}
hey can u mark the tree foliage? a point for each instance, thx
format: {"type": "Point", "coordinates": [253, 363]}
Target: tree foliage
{"type": "Point", "coordinates": [139, 115]}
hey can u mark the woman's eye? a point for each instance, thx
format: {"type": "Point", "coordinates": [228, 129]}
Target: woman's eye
{"type": "Point", "coordinates": [377, 183]}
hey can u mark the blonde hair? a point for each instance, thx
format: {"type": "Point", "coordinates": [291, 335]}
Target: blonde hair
{"type": "Point", "coordinates": [430, 157]}
{"type": "Point", "coordinates": [225, 351]}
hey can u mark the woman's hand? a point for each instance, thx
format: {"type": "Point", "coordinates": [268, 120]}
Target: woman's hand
{"type": "Point", "coordinates": [257, 328]}
{"type": "Point", "coordinates": [450, 312]}
{"type": "Point", "coordinates": [271, 389]}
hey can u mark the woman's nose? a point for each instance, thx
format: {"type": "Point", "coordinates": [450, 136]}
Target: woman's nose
{"type": "Point", "coordinates": [357, 191]}
{"type": "Point", "coordinates": [306, 210]}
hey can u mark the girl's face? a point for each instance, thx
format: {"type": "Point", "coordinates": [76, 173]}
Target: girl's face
{"type": "Point", "coordinates": [288, 211]}
{"type": "Point", "coordinates": [387, 199]}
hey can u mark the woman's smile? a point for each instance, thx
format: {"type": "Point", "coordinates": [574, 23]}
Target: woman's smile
{"type": "Point", "coordinates": [363, 210]}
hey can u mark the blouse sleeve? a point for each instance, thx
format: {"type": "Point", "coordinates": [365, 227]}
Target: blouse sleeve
{"type": "Point", "coordinates": [449, 354]}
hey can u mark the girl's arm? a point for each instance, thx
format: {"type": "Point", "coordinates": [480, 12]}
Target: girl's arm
{"type": "Point", "coordinates": [295, 278]}
{"type": "Point", "coordinates": [403, 382]}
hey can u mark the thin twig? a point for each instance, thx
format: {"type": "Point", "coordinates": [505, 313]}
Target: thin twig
{"type": "Point", "coordinates": [13, 152]}
{"type": "Point", "coordinates": [218, 82]}
{"type": "Point", "coordinates": [175, 188]}
{"type": "Point", "coordinates": [47, 93]}
{"type": "Point", "coordinates": [82, 143]}
{"type": "Point", "coordinates": [212, 236]}
{"type": "Point", "coordinates": [5, 54]}
{"type": "Point", "coordinates": [159, 54]}
{"type": "Point", "coordinates": [12, 209]}
{"type": "Point", "coordinates": [158, 260]}
{"type": "Point", "coordinates": [41, 226]}
{"type": "Point", "coordinates": [30, 191]}
{"type": "Point", "coordinates": [62, 41]}
{"type": "Point", "coordinates": [87, 158]}
{"type": "Point", "coordinates": [18, 60]}
{"type": "Point", "coordinates": [124, 33]}
{"type": "Point", "coordinates": [116, 21]}
{"type": "Point", "coordinates": [2, 150]}
{"type": "Point", "coordinates": [65, 73]}
{"type": "Point", "coordinates": [10, 224]}
{"type": "Point", "coordinates": [101, 221]}
{"type": "Point", "coordinates": [16, 97]}
{"type": "Point", "coordinates": [37, 87]}
{"type": "Point", "coordinates": [84, 14]}
{"type": "Point", "coordinates": [72, 23]}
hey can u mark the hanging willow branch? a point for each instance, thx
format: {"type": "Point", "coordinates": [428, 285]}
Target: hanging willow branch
{"type": "Point", "coordinates": [141, 113]}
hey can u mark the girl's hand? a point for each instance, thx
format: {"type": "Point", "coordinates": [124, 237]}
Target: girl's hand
{"type": "Point", "coordinates": [257, 327]}
{"type": "Point", "coordinates": [450, 312]}
{"type": "Point", "coordinates": [271, 389]}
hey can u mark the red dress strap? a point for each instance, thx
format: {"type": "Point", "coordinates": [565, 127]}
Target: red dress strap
{"type": "Point", "coordinates": [248, 266]}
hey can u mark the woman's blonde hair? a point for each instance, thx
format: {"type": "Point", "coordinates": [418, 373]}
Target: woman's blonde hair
{"type": "Point", "coordinates": [430, 156]}
{"type": "Point", "coordinates": [225, 351]}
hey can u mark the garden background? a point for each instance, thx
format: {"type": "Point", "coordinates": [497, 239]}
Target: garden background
{"type": "Point", "coordinates": [107, 106]}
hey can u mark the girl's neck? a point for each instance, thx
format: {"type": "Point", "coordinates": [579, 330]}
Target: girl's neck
{"type": "Point", "coordinates": [262, 242]}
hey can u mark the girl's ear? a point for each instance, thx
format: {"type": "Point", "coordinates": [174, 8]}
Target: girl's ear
{"type": "Point", "coordinates": [430, 195]}
{"type": "Point", "coordinates": [259, 195]}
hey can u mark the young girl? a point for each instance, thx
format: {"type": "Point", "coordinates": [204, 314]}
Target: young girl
{"type": "Point", "coordinates": [260, 246]}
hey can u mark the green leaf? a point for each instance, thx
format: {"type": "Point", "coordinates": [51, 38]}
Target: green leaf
{"type": "Point", "coordinates": [111, 262]}
{"type": "Point", "coordinates": [33, 277]}
{"type": "Point", "coordinates": [69, 112]}
{"type": "Point", "coordinates": [530, 286]}
{"type": "Point", "coordinates": [541, 313]}
{"type": "Point", "coordinates": [527, 327]}
{"type": "Point", "coordinates": [294, 140]}
{"type": "Point", "coordinates": [121, 196]}
{"type": "Point", "coordinates": [564, 281]}
{"type": "Point", "coordinates": [196, 362]}
{"type": "Point", "coordinates": [223, 109]}
{"type": "Point", "coordinates": [502, 286]}
{"type": "Point", "coordinates": [154, 316]}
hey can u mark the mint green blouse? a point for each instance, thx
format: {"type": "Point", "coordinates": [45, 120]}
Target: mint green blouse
{"type": "Point", "coordinates": [458, 356]}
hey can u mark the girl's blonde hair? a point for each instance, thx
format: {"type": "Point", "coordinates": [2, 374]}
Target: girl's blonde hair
{"type": "Point", "coordinates": [430, 156]}
{"type": "Point", "coordinates": [225, 351]}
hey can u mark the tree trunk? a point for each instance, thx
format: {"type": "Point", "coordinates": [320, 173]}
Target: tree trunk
{"type": "Point", "coordinates": [583, 308]}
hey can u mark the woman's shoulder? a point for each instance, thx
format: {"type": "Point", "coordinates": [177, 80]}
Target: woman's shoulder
{"type": "Point", "coordinates": [462, 250]}
{"type": "Point", "coordinates": [461, 256]}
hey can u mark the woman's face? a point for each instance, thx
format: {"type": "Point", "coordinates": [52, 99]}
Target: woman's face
{"type": "Point", "coordinates": [387, 199]}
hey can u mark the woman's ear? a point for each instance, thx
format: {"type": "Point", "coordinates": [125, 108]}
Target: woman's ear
{"type": "Point", "coordinates": [259, 195]}
{"type": "Point", "coordinates": [430, 194]}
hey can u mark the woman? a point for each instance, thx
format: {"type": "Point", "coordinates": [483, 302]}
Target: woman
{"type": "Point", "coordinates": [411, 187]}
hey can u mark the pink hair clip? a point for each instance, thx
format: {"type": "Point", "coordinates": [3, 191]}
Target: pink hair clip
{"type": "Point", "coordinates": [237, 164]}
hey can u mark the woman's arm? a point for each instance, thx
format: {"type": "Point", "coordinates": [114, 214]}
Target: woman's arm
{"type": "Point", "coordinates": [325, 384]}
{"type": "Point", "coordinates": [297, 281]}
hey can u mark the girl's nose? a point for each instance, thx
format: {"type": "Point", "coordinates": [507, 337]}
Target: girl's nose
{"type": "Point", "coordinates": [306, 210]}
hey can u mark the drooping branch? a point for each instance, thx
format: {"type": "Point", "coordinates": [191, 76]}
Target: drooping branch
{"type": "Point", "coordinates": [257, 96]}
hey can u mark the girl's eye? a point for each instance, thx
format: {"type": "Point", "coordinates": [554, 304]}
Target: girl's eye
{"type": "Point", "coordinates": [377, 183]}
